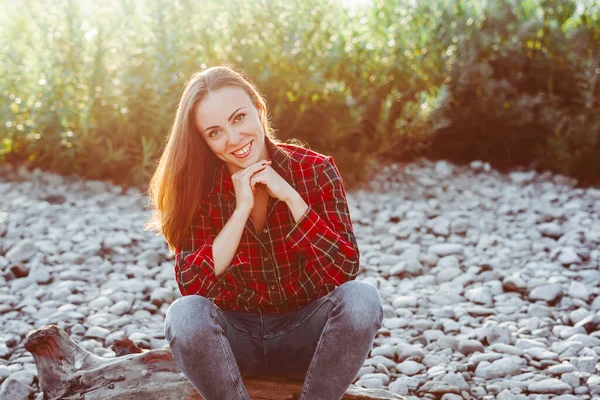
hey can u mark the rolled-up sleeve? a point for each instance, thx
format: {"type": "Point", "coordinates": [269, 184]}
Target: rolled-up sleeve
{"type": "Point", "coordinates": [324, 234]}
{"type": "Point", "coordinates": [194, 263]}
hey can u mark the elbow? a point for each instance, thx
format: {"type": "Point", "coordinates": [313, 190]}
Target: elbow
{"type": "Point", "coordinates": [182, 289]}
{"type": "Point", "coordinates": [350, 250]}
{"type": "Point", "coordinates": [351, 259]}
{"type": "Point", "coordinates": [355, 262]}
{"type": "Point", "coordinates": [186, 277]}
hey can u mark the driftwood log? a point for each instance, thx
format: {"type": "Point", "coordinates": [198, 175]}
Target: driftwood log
{"type": "Point", "coordinates": [68, 371]}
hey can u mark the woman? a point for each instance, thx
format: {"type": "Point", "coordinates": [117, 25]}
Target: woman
{"type": "Point", "coordinates": [265, 253]}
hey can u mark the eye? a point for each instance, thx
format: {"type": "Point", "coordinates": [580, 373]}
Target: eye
{"type": "Point", "coordinates": [239, 117]}
{"type": "Point", "coordinates": [210, 134]}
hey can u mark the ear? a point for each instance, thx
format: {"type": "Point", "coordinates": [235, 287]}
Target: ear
{"type": "Point", "coordinates": [259, 109]}
{"type": "Point", "coordinates": [262, 114]}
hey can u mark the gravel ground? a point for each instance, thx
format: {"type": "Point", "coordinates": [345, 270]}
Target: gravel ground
{"type": "Point", "coordinates": [490, 281]}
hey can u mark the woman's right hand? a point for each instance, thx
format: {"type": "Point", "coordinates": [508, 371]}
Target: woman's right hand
{"type": "Point", "coordinates": [244, 193]}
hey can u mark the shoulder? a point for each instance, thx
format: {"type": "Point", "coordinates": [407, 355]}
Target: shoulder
{"type": "Point", "coordinates": [311, 168]}
{"type": "Point", "coordinates": [304, 157]}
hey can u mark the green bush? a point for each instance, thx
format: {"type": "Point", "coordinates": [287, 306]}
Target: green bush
{"type": "Point", "coordinates": [524, 93]}
{"type": "Point", "coordinates": [92, 88]}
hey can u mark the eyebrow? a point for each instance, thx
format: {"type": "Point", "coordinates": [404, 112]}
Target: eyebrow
{"type": "Point", "coordinates": [228, 119]}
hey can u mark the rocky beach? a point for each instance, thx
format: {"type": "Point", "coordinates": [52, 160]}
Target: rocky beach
{"type": "Point", "coordinates": [490, 281]}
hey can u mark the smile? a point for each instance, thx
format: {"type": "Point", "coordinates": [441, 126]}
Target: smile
{"type": "Point", "coordinates": [244, 151]}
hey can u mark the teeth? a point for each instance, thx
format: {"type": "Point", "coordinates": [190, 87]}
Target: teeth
{"type": "Point", "coordinates": [242, 151]}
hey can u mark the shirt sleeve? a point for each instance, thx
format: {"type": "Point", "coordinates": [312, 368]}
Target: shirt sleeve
{"type": "Point", "coordinates": [324, 234]}
{"type": "Point", "coordinates": [194, 264]}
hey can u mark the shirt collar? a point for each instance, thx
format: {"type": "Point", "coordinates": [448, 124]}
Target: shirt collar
{"type": "Point", "coordinates": [222, 183]}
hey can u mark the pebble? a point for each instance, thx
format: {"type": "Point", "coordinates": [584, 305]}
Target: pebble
{"type": "Point", "coordinates": [549, 385]}
{"type": "Point", "coordinates": [469, 346]}
{"type": "Point", "coordinates": [498, 334]}
{"type": "Point", "coordinates": [549, 293]}
{"type": "Point", "coordinates": [506, 349]}
{"type": "Point", "coordinates": [539, 353]}
{"type": "Point", "coordinates": [21, 251]}
{"type": "Point", "coordinates": [561, 368]}
{"type": "Point", "coordinates": [489, 281]}
{"type": "Point", "coordinates": [410, 368]}
{"type": "Point", "coordinates": [370, 383]}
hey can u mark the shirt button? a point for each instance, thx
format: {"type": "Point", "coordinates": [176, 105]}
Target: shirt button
{"type": "Point", "coordinates": [273, 287]}
{"type": "Point", "coordinates": [266, 258]}
{"type": "Point", "coordinates": [265, 230]}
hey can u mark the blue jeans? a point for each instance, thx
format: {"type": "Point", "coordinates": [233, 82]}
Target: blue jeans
{"type": "Point", "coordinates": [325, 343]}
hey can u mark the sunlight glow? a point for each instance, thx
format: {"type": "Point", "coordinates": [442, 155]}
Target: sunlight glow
{"type": "Point", "coordinates": [356, 3]}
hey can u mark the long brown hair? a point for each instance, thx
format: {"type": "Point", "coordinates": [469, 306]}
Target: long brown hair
{"type": "Point", "coordinates": [187, 162]}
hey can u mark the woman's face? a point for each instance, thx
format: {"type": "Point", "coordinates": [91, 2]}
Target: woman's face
{"type": "Point", "coordinates": [228, 121]}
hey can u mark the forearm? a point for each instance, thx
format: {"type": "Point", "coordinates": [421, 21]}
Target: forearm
{"type": "Point", "coordinates": [297, 206]}
{"type": "Point", "coordinates": [324, 234]}
{"type": "Point", "coordinates": [328, 244]}
{"type": "Point", "coordinates": [227, 241]}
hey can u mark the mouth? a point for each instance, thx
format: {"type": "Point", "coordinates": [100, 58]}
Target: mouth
{"type": "Point", "coordinates": [244, 151]}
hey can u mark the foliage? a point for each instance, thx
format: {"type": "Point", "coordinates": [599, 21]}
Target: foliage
{"type": "Point", "coordinates": [91, 87]}
{"type": "Point", "coordinates": [524, 93]}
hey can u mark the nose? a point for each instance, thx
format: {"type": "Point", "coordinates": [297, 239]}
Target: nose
{"type": "Point", "coordinates": [234, 137]}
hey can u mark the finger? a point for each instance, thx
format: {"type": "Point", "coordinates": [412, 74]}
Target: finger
{"type": "Point", "coordinates": [263, 163]}
{"type": "Point", "coordinates": [261, 174]}
{"type": "Point", "coordinates": [253, 182]}
{"type": "Point", "coordinates": [247, 172]}
{"type": "Point", "coordinates": [251, 170]}
{"type": "Point", "coordinates": [258, 178]}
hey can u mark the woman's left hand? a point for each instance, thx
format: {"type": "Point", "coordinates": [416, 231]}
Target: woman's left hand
{"type": "Point", "coordinates": [275, 185]}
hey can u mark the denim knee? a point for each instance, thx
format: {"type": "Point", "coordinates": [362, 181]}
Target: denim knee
{"type": "Point", "coordinates": [187, 318]}
{"type": "Point", "coordinates": [362, 303]}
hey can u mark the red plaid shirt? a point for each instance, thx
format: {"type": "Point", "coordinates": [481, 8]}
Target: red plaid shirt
{"type": "Point", "coordinates": [291, 264]}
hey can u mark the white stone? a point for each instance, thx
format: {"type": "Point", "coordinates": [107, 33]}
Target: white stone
{"type": "Point", "coordinates": [549, 292]}
{"type": "Point", "coordinates": [550, 385]}
{"type": "Point", "coordinates": [398, 387]}
{"type": "Point", "coordinates": [539, 353]}
{"type": "Point", "coordinates": [117, 239]}
{"type": "Point", "coordinates": [446, 249]}
{"type": "Point", "coordinates": [552, 230]}
{"type": "Point", "coordinates": [410, 368]}
{"type": "Point", "coordinates": [404, 302]}
{"type": "Point", "coordinates": [479, 295]}
{"type": "Point", "coordinates": [579, 290]}
{"type": "Point", "coordinates": [457, 254]}
{"type": "Point", "coordinates": [448, 274]}
{"type": "Point", "coordinates": [568, 256]}
{"type": "Point", "coordinates": [22, 251]}
{"type": "Point", "coordinates": [522, 177]}
{"type": "Point", "coordinates": [97, 332]}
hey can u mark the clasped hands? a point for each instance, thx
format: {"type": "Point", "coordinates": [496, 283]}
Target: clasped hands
{"type": "Point", "coordinates": [260, 174]}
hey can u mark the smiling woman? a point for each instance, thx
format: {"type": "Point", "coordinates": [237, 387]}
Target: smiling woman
{"type": "Point", "coordinates": [238, 139]}
{"type": "Point", "coordinates": [265, 252]}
